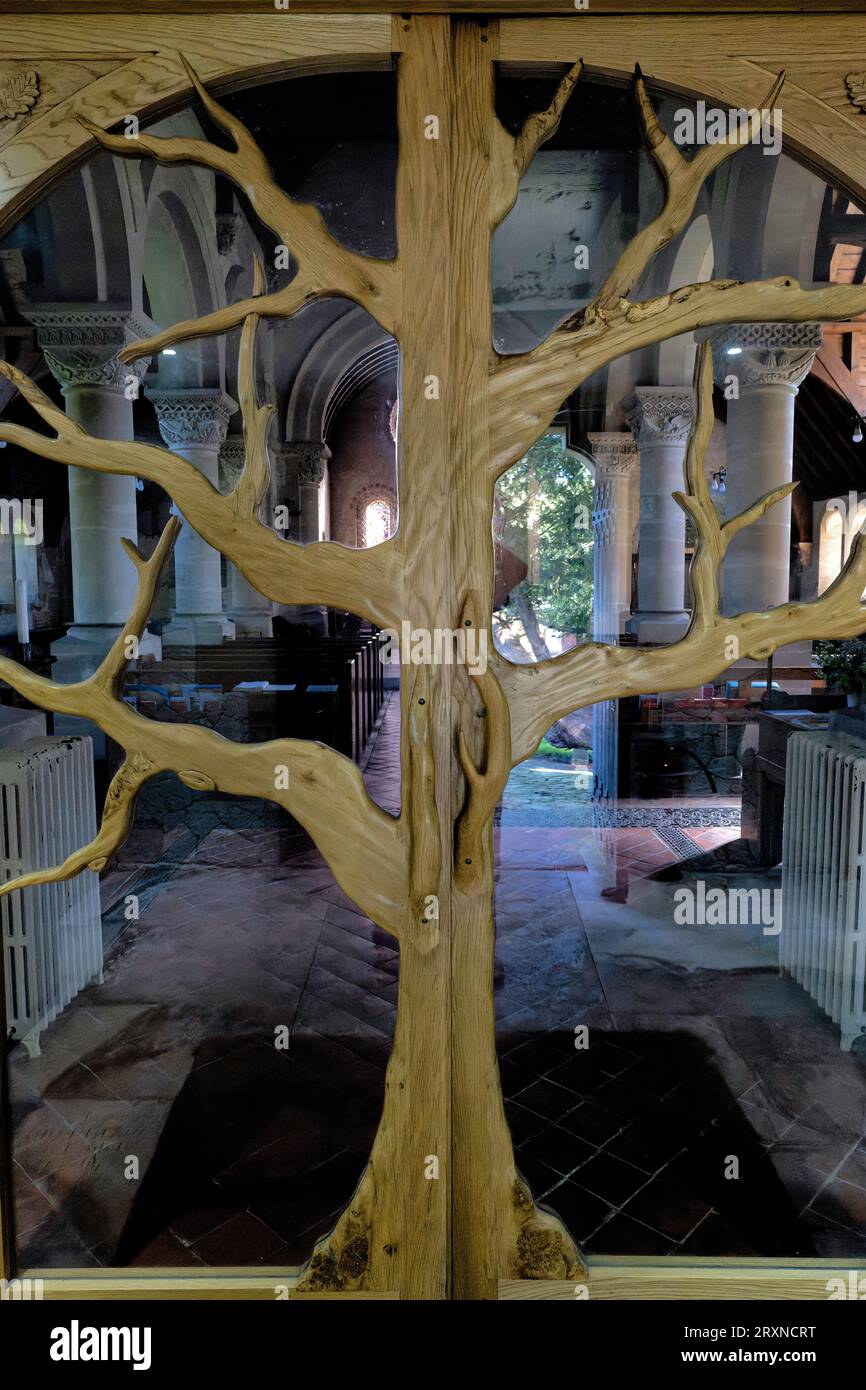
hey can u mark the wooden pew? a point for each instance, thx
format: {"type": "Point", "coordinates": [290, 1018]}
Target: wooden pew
{"type": "Point", "coordinates": [348, 670]}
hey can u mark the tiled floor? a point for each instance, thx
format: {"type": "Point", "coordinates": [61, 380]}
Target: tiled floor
{"type": "Point", "coordinates": [699, 1054]}
{"type": "Point", "coordinates": [643, 1146]}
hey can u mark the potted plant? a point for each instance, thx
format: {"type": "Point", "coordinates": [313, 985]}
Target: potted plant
{"type": "Point", "coordinates": [842, 665]}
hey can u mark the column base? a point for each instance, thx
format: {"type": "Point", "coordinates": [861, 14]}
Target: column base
{"type": "Point", "coordinates": [659, 629]}
{"type": "Point", "coordinates": [79, 651]}
{"type": "Point", "coordinates": [252, 622]}
{"type": "Point", "coordinates": [198, 630]}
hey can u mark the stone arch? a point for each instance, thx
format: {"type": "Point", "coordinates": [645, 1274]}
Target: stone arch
{"type": "Point", "coordinates": [693, 262]}
{"type": "Point", "coordinates": [178, 277]}
{"type": "Point", "coordinates": [793, 216]}
{"type": "Point", "coordinates": [333, 369]}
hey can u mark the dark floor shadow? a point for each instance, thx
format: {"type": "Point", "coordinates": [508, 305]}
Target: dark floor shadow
{"type": "Point", "coordinates": [639, 1145]}
{"type": "Point", "coordinates": [282, 1138]}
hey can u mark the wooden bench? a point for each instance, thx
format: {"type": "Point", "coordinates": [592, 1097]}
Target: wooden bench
{"type": "Point", "coordinates": [331, 690]}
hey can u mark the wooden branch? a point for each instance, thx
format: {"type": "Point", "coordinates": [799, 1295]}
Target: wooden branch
{"type": "Point", "coordinates": [483, 789]}
{"type": "Point", "coordinates": [511, 156]}
{"type": "Point", "coordinates": [425, 852]}
{"type": "Point", "coordinates": [541, 693]}
{"type": "Point", "coordinates": [326, 267]}
{"type": "Point", "coordinates": [364, 847]}
{"type": "Point", "coordinates": [280, 304]}
{"type": "Point", "coordinates": [109, 674]}
{"type": "Point", "coordinates": [78, 698]}
{"type": "Point", "coordinates": [255, 474]}
{"type": "Point", "coordinates": [117, 818]}
{"type": "Point", "coordinates": [683, 178]}
{"type": "Point", "coordinates": [526, 390]}
{"type": "Point", "coordinates": [366, 582]}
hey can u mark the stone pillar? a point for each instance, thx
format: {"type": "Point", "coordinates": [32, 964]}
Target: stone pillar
{"type": "Point", "coordinates": [312, 457]}
{"type": "Point", "coordinates": [660, 418]}
{"type": "Point", "coordinates": [80, 346]}
{"type": "Point", "coordinates": [616, 458]}
{"type": "Point", "coordinates": [303, 466]}
{"type": "Point", "coordinates": [250, 611]}
{"type": "Point", "coordinates": [772, 361]}
{"type": "Point", "coordinates": [193, 424]}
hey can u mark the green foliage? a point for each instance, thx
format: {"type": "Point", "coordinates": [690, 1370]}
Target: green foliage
{"type": "Point", "coordinates": [550, 750]}
{"type": "Point", "coordinates": [842, 664]}
{"type": "Point", "coordinates": [545, 506]}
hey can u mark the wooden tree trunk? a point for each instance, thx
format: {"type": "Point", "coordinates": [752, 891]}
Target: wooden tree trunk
{"type": "Point", "coordinates": [440, 1210]}
{"type": "Point", "coordinates": [443, 1097]}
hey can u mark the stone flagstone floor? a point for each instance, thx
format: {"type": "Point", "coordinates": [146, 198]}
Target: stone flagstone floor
{"type": "Point", "coordinates": [245, 1153]}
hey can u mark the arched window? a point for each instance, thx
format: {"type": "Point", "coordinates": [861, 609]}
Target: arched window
{"type": "Point", "coordinates": [377, 523]}
{"type": "Point", "coordinates": [375, 515]}
{"type": "Point", "coordinates": [831, 554]}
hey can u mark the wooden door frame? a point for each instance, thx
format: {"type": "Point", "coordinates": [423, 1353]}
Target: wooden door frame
{"type": "Point", "coordinates": [90, 58]}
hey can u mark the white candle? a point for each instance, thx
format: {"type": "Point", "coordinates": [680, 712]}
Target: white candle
{"type": "Point", "coordinates": [21, 611]}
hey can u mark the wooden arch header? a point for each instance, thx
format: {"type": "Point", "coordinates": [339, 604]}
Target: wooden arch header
{"type": "Point", "coordinates": [107, 66]}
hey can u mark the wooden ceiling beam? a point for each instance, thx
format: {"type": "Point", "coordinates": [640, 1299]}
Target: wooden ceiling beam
{"type": "Point", "coordinates": [505, 9]}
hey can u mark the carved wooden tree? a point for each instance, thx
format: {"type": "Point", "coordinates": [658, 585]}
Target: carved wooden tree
{"type": "Point", "coordinates": [458, 1234]}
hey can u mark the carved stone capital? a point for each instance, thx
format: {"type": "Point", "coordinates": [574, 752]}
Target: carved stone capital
{"type": "Point", "coordinates": [231, 461]}
{"type": "Point", "coordinates": [615, 452]}
{"type": "Point", "coordinates": [80, 343]}
{"type": "Point", "coordinates": [193, 419]}
{"type": "Point", "coordinates": [659, 414]}
{"type": "Point", "coordinates": [309, 457]}
{"type": "Point", "coordinates": [770, 354]}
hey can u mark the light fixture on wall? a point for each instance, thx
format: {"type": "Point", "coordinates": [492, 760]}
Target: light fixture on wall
{"type": "Point", "coordinates": [857, 436]}
{"type": "Point", "coordinates": [719, 481]}
{"type": "Point", "coordinates": [733, 350]}
{"type": "Point", "coordinates": [169, 352]}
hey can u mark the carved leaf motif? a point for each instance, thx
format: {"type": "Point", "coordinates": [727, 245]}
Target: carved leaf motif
{"type": "Point", "coordinates": [856, 84]}
{"type": "Point", "coordinates": [18, 93]}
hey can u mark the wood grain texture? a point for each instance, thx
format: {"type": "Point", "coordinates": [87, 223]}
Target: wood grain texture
{"type": "Point", "coordinates": [729, 62]}
{"type": "Point", "coordinates": [594, 671]}
{"type": "Point", "coordinates": [440, 1209]}
{"type": "Point", "coordinates": [688, 1279]}
{"type": "Point", "coordinates": [500, 8]}
{"type": "Point", "coordinates": [136, 69]}
{"type": "Point", "coordinates": [367, 582]}
{"type": "Point", "coordinates": [324, 266]}
{"type": "Point", "coordinates": [179, 1285]}
{"type": "Point", "coordinates": [404, 1213]}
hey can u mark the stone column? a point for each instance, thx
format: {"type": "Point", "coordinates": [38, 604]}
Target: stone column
{"type": "Point", "coordinates": [249, 610]}
{"type": "Point", "coordinates": [303, 465]}
{"type": "Point", "coordinates": [80, 346]}
{"type": "Point", "coordinates": [616, 458]}
{"type": "Point", "coordinates": [772, 360]}
{"type": "Point", "coordinates": [312, 457]}
{"type": "Point", "coordinates": [193, 424]}
{"type": "Point", "coordinates": [660, 418]}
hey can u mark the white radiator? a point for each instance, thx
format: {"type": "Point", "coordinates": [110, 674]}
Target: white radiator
{"type": "Point", "coordinates": [822, 943]}
{"type": "Point", "coordinates": [52, 933]}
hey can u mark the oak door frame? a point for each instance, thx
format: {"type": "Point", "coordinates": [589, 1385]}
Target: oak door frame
{"type": "Point", "coordinates": [112, 64]}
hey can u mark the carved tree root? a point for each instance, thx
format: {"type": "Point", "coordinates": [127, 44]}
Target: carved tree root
{"type": "Point", "coordinates": [340, 1262]}
{"type": "Point", "coordinates": [537, 1245]}
{"type": "Point", "coordinates": [542, 1247]}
